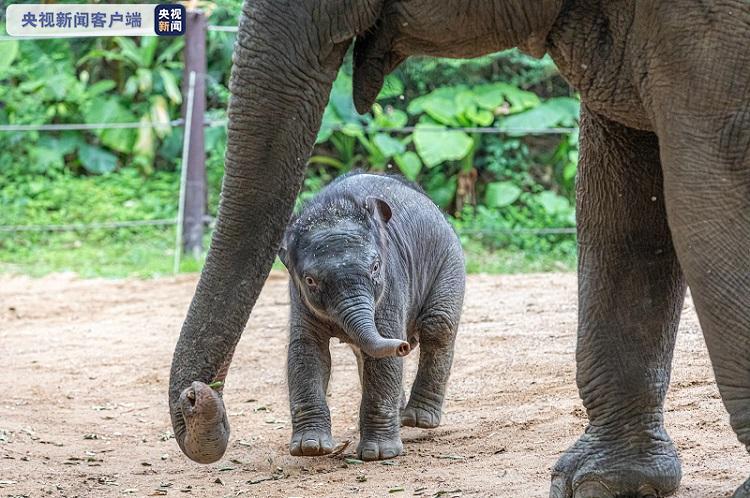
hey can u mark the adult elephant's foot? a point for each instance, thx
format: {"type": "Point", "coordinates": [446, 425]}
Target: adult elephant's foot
{"type": "Point", "coordinates": [311, 442]}
{"type": "Point", "coordinates": [380, 449]}
{"type": "Point", "coordinates": [606, 466]}
{"type": "Point", "coordinates": [743, 491]}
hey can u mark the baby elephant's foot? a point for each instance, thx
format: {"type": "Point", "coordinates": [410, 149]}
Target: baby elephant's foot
{"type": "Point", "coordinates": [421, 413]}
{"type": "Point", "coordinates": [607, 466]}
{"type": "Point", "coordinates": [380, 449]}
{"type": "Point", "coordinates": [311, 442]}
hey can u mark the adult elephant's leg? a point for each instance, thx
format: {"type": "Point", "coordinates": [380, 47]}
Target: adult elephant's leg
{"type": "Point", "coordinates": [707, 185]}
{"type": "Point", "coordinates": [286, 57]}
{"type": "Point", "coordinates": [631, 292]}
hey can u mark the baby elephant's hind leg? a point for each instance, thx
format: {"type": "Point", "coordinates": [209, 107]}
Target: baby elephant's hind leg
{"type": "Point", "coordinates": [437, 326]}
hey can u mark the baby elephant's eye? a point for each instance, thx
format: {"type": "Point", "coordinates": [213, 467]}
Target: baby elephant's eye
{"type": "Point", "coordinates": [310, 281]}
{"type": "Point", "coordinates": [375, 267]}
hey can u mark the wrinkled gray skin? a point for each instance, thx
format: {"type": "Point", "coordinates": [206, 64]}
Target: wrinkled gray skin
{"type": "Point", "coordinates": [373, 263]}
{"type": "Point", "coordinates": [663, 194]}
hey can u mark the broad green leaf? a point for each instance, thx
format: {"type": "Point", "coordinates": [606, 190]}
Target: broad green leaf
{"type": "Point", "coordinates": [148, 49]}
{"type": "Point", "coordinates": [409, 164]}
{"type": "Point", "coordinates": [341, 100]}
{"type": "Point", "coordinates": [330, 120]}
{"type": "Point", "coordinates": [60, 86]}
{"type": "Point", "coordinates": [96, 160]}
{"type": "Point", "coordinates": [392, 87]}
{"type": "Point", "coordinates": [100, 87]}
{"type": "Point", "coordinates": [416, 106]}
{"type": "Point", "coordinates": [171, 51]}
{"type": "Point", "coordinates": [490, 96]}
{"type": "Point", "coordinates": [520, 100]}
{"type": "Point", "coordinates": [130, 51]}
{"type": "Point", "coordinates": [45, 159]}
{"type": "Point", "coordinates": [442, 190]}
{"type": "Point", "coordinates": [8, 53]}
{"type": "Point", "coordinates": [352, 130]}
{"type": "Point", "coordinates": [391, 118]}
{"type": "Point", "coordinates": [553, 204]}
{"type": "Point", "coordinates": [110, 111]}
{"type": "Point", "coordinates": [68, 142]}
{"type": "Point", "coordinates": [501, 194]}
{"type": "Point", "coordinates": [388, 145]}
{"type": "Point", "coordinates": [436, 144]}
{"type": "Point", "coordinates": [561, 111]}
{"type": "Point", "coordinates": [493, 95]}
{"type": "Point", "coordinates": [442, 110]}
{"type": "Point", "coordinates": [480, 117]}
{"type": "Point", "coordinates": [464, 102]}
{"type": "Point", "coordinates": [170, 86]}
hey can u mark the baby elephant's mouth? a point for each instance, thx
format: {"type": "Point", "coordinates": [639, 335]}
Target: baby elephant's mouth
{"type": "Point", "coordinates": [205, 434]}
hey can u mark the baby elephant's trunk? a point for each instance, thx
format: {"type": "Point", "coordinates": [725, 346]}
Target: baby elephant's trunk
{"type": "Point", "coordinates": [357, 317]}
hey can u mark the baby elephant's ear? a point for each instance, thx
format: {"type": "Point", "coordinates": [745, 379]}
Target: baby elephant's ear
{"type": "Point", "coordinates": [285, 242]}
{"type": "Point", "coordinates": [283, 253]}
{"type": "Point", "coordinates": [378, 208]}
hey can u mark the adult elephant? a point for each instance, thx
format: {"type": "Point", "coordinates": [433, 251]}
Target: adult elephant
{"type": "Point", "coordinates": [663, 196]}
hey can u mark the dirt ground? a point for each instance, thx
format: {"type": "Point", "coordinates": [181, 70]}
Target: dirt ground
{"type": "Point", "coordinates": [85, 363]}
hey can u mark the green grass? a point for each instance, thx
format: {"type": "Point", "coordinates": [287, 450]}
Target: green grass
{"type": "Point", "coordinates": [508, 261]}
{"type": "Point", "coordinates": [148, 251]}
{"type": "Point", "coordinates": [145, 253]}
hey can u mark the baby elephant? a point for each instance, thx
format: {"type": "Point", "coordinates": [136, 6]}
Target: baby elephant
{"type": "Point", "coordinates": [374, 264]}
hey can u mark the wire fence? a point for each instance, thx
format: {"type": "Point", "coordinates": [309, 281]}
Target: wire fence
{"type": "Point", "coordinates": [220, 122]}
{"type": "Point", "coordinates": [224, 121]}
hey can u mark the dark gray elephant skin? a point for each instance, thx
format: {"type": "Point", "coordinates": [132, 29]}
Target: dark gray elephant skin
{"type": "Point", "coordinates": [375, 264]}
{"type": "Point", "coordinates": [663, 196]}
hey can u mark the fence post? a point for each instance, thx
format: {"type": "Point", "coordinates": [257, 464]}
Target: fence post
{"type": "Point", "coordinates": [196, 191]}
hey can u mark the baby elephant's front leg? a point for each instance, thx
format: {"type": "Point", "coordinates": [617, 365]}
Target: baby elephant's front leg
{"type": "Point", "coordinates": [379, 414]}
{"type": "Point", "coordinates": [308, 371]}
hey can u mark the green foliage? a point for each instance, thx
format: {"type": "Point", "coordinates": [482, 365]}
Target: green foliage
{"type": "Point", "coordinates": [501, 194]}
{"type": "Point", "coordinates": [487, 182]}
{"type": "Point", "coordinates": [89, 81]}
{"type": "Point", "coordinates": [457, 167]}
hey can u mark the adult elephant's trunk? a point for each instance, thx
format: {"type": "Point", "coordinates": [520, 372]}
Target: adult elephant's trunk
{"type": "Point", "coordinates": [356, 316]}
{"type": "Point", "coordinates": [284, 65]}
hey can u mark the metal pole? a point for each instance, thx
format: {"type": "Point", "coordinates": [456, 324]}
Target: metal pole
{"type": "Point", "coordinates": [197, 191]}
{"type": "Point", "coordinates": [184, 173]}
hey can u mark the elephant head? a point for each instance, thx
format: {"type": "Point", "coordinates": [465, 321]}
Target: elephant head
{"type": "Point", "coordinates": [286, 56]}
{"type": "Point", "coordinates": [336, 255]}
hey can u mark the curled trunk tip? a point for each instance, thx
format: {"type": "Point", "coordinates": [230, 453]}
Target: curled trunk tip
{"type": "Point", "coordinates": [385, 348]}
{"type": "Point", "coordinates": [201, 424]}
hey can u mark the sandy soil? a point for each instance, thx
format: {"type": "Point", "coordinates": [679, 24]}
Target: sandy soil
{"type": "Point", "coordinates": [83, 412]}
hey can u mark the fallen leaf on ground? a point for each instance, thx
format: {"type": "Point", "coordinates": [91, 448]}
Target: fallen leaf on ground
{"type": "Point", "coordinates": [339, 448]}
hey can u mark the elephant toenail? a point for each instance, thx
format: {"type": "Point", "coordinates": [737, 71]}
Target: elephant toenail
{"type": "Point", "coordinates": [592, 489]}
{"type": "Point", "coordinates": [647, 491]}
{"type": "Point", "coordinates": [310, 444]}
